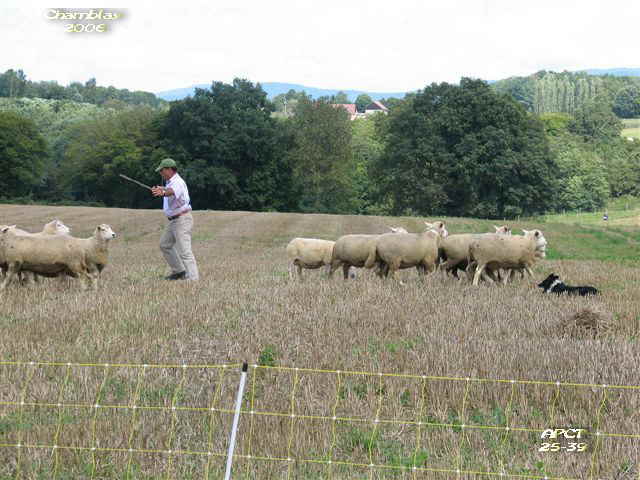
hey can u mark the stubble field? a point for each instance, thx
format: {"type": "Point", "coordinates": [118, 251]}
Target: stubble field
{"type": "Point", "coordinates": [340, 335]}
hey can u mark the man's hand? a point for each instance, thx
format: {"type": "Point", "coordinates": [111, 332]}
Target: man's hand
{"type": "Point", "coordinates": [157, 191]}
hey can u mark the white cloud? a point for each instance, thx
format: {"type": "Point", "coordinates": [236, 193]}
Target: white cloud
{"type": "Point", "coordinates": [372, 45]}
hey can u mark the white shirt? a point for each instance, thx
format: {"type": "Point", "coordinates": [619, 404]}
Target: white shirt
{"type": "Point", "coordinates": [179, 202]}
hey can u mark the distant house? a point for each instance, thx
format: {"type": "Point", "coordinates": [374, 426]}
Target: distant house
{"type": "Point", "coordinates": [349, 107]}
{"type": "Point", "coordinates": [375, 107]}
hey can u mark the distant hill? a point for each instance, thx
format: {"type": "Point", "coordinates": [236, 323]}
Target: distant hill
{"type": "Point", "coordinates": [274, 88]}
{"type": "Point", "coordinates": [616, 72]}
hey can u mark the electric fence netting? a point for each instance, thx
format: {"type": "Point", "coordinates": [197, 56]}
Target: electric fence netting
{"type": "Point", "coordinates": [69, 420]}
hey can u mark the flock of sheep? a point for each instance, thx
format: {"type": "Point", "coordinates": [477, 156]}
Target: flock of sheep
{"type": "Point", "coordinates": [488, 256]}
{"type": "Point", "coordinates": [52, 253]}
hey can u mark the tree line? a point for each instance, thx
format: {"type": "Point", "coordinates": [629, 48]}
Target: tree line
{"type": "Point", "coordinates": [14, 84]}
{"type": "Point", "coordinates": [459, 150]}
{"type": "Point", "coordinates": [568, 92]}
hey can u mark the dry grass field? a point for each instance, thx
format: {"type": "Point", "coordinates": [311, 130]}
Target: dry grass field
{"type": "Point", "coordinates": [245, 308]}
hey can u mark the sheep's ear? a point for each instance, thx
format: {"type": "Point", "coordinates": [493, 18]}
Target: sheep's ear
{"type": "Point", "coordinates": [7, 228]}
{"type": "Point", "coordinates": [430, 225]}
{"type": "Point", "coordinates": [497, 228]}
{"type": "Point", "coordinates": [525, 231]}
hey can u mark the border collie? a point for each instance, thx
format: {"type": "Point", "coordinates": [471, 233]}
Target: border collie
{"type": "Point", "coordinates": [553, 284]}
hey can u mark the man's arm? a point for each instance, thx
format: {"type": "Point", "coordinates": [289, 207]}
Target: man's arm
{"type": "Point", "coordinates": [162, 192]}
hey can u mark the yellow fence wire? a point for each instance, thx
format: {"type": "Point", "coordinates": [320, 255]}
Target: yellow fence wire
{"type": "Point", "coordinates": [290, 415]}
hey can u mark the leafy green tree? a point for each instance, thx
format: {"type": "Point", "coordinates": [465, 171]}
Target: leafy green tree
{"type": "Point", "coordinates": [622, 163]}
{"type": "Point", "coordinates": [230, 147]}
{"type": "Point", "coordinates": [13, 83]}
{"type": "Point", "coordinates": [321, 156]}
{"type": "Point", "coordinates": [98, 150]}
{"type": "Point", "coordinates": [465, 151]}
{"type": "Point", "coordinates": [366, 147]}
{"type": "Point", "coordinates": [596, 122]}
{"type": "Point", "coordinates": [627, 102]}
{"type": "Point", "coordinates": [340, 97]}
{"type": "Point", "coordinates": [555, 124]}
{"type": "Point", "coordinates": [583, 179]}
{"type": "Point", "coordinates": [362, 101]}
{"type": "Point", "coordinates": [54, 120]}
{"type": "Point", "coordinates": [23, 155]}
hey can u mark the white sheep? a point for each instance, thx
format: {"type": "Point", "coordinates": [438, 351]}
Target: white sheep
{"type": "Point", "coordinates": [54, 227]}
{"type": "Point", "coordinates": [540, 253]}
{"type": "Point", "coordinates": [454, 249]}
{"type": "Point", "coordinates": [420, 250]}
{"type": "Point", "coordinates": [506, 251]}
{"type": "Point", "coordinates": [309, 253]}
{"type": "Point", "coordinates": [354, 251]}
{"type": "Point", "coordinates": [51, 256]}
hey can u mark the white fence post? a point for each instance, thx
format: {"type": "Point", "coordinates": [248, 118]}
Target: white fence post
{"type": "Point", "coordinates": [236, 418]}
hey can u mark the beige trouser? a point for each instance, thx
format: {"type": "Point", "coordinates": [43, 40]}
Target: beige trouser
{"type": "Point", "coordinates": [175, 244]}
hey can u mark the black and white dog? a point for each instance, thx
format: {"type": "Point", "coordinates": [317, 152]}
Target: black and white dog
{"type": "Point", "coordinates": [553, 284]}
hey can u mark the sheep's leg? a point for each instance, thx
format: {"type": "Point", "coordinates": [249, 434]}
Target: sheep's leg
{"type": "Point", "coordinates": [393, 271]}
{"type": "Point", "coordinates": [430, 268]}
{"type": "Point", "coordinates": [448, 267]}
{"type": "Point", "coordinates": [327, 268]}
{"type": "Point", "coordinates": [92, 276]}
{"type": "Point", "coordinates": [291, 267]}
{"type": "Point", "coordinates": [382, 269]}
{"type": "Point", "coordinates": [470, 270]}
{"type": "Point", "coordinates": [478, 274]}
{"type": "Point", "coordinates": [345, 270]}
{"type": "Point", "coordinates": [29, 278]}
{"type": "Point", "coordinates": [85, 280]}
{"type": "Point", "coordinates": [487, 276]}
{"type": "Point", "coordinates": [334, 266]}
{"type": "Point", "coordinates": [12, 272]}
{"type": "Point", "coordinates": [529, 271]}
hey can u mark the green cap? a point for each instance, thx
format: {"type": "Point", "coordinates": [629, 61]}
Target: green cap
{"type": "Point", "coordinates": [167, 163]}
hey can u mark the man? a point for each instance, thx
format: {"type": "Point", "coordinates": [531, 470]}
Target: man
{"type": "Point", "coordinates": [176, 239]}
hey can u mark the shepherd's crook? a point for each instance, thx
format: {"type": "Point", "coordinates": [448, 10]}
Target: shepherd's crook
{"type": "Point", "coordinates": [135, 181]}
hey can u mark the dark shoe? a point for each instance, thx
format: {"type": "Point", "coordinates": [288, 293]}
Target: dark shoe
{"type": "Point", "coordinates": [177, 276]}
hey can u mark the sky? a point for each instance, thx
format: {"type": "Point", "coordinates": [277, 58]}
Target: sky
{"type": "Point", "coordinates": [373, 45]}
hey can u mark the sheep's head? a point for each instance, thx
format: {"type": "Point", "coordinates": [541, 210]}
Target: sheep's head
{"type": "Point", "coordinates": [503, 230]}
{"type": "Point", "coordinates": [541, 242]}
{"type": "Point", "coordinates": [438, 227]}
{"type": "Point", "coordinates": [397, 230]}
{"type": "Point", "coordinates": [104, 232]}
{"type": "Point", "coordinates": [56, 227]}
{"type": "Point", "coordinates": [6, 228]}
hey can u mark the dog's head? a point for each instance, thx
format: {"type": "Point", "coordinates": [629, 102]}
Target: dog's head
{"type": "Point", "coordinates": [546, 283]}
